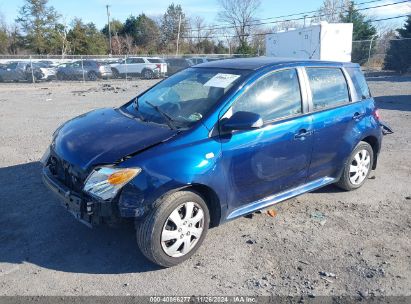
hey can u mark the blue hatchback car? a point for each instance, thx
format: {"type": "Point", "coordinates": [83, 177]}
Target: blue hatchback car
{"type": "Point", "coordinates": [212, 143]}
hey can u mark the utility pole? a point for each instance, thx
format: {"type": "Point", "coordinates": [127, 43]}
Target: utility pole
{"type": "Point", "coordinates": [178, 34]}
{"type": "Point", "coordinates": [109, 27]}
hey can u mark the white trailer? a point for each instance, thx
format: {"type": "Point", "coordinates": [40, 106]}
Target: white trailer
{"type": "Point", "coordinates": [324, 41]}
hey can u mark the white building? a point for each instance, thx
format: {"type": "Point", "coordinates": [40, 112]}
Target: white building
{"type": "Point", "coordinates": [324, 41]}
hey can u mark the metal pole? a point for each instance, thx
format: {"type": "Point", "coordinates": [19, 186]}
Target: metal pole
{"type": "Point", "coordinates": [82, 68]}
{"type": "Point", "coordinates": [32, 72]}
{"type": "Point", "coordinates": [109, 27]}
{"type": "Point", "coordinates": [369, 51]}
{"type": "Point", "coordinates": [125, 62]}
{"type": "Point", "coordinates": [178, 34]}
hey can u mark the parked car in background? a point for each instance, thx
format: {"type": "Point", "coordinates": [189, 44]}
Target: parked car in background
{"type": "Point", "coordinates": [175, 65]}
{"type": "Point", "coordinates": [214, 143]}
{"type": "Point", "coordinates": [145, 67]}
{"type": "Point", "coordinates": [198, 60]}
{"type": "Point", "coordinates": [41, 71]}
{"type": "Point", "coordinates": [14, 71]}
{"type": "Point", "coordinates": [89, 69]}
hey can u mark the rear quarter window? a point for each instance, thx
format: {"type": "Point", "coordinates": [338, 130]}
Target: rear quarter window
{"type": "Point", "coordinates": [155, 60]}
{"type": "Point", "coordinates": [360, 84]}
{"type": "Point", "coordinates": [328, 86]}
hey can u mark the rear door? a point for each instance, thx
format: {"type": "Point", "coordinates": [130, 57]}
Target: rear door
{"type": "Point", "coordinates": [266, 161]}
{"type": "Point", "coordinates": [336, 120]}
{"type": "Point", "coordinates": [138, 65]}
{"type": "Point", "coordinates": [76, 69]}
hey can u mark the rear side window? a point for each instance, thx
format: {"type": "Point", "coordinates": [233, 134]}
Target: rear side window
{"type": "Point", "coordinates": [274, 96]}
{"type": "Point", "coordinates": [359, 82]}
{"type": "Point", "coordinates": [328, 86]}
{"type": "Point", "coordinates": [155, 60]}
{"type": "Point", "coordinates": [135, 60]}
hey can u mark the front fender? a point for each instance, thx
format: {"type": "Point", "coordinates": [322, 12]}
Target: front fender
{"type": "Point", "coordinates": [171, 166]}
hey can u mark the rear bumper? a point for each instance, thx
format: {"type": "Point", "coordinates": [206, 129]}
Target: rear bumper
{"type": "Point", "coordinates": [84, 209]}
{"type": "Point", "coordinates": [106, 74]}
{"type": "Point", "coordinates": [386, 129]}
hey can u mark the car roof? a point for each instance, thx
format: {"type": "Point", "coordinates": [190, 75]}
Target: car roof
{"type": "Point", "coordinates": [255, 63]}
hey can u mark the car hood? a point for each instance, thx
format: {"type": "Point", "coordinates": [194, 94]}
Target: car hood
{"type": "Point", "coordinates": [105, 136]}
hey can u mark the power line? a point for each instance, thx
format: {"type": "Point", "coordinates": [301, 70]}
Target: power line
{"type": "Point", "coordinates": [267, 33]}
{"type": "Point", "coordinates": [394, 39]}
{"type": "Point", "coordinates": [222, 26]}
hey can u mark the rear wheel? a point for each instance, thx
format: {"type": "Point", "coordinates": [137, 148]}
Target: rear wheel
{"type": "Point", "coordinates": [148, 74]}
{"type": "Point", "coordinates": [358, 167]}
{"type": "Point", "coordinates": [175, 229]}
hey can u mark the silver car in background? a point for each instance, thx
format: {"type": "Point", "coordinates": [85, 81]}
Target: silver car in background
{"type": "Point", "coordinates": [87, 69]}
{"type": "Point", "coordinates": [145, 67]}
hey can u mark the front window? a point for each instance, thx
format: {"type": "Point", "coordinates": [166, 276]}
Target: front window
{"type": "Point", "coordinates": [274, 96]}
{"type": "Point", "coordinates": [186, 97]}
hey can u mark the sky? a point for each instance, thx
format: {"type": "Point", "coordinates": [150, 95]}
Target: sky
{"type": "Point", "coordinates": [95, 10]}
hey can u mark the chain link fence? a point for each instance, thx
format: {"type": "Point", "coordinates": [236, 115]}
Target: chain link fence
{"type": "Point", "coordinates": [383, 55]}
{"type": "Point", "coordinates": [37, 68]}
{"type": "Point", "coordinates": [374, 55]}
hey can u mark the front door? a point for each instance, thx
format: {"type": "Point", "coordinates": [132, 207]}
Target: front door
{"type": "Point", "coordinates": [266, 161]}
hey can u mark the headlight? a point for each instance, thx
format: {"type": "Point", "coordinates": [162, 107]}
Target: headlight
{"type": "Point", "coordinates": [105, 182]}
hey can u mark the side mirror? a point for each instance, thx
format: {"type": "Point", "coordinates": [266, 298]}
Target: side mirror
{"type": "Point", "coordinates": [242, 121]}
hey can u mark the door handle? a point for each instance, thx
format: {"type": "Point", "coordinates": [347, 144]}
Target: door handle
{"type": "Point", "coordinates": [358, 116]}
{"type": "Point", "coordinates": [303, 133]}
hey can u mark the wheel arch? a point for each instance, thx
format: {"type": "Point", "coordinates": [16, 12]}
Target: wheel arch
{"type": "Point", "coordinates": [375, 145]}
{"type": "Point", "coordinates": [210, 197]}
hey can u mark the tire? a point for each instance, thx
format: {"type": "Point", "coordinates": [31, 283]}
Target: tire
{"type": "Point", "coordinates": [147, 74]}
{"type": "Point", "coordinates": [92, 76]}
{"type": "Point", "coordinates": [150, 231]}
{"type": "Point", "coordinates": [358, 167]}
{"type": "Point", "coordinates": [116, 73]}
{"type": "Point", "coordinates": [32, 79]}
{"type": "Point", "coordinates": [60, 76]}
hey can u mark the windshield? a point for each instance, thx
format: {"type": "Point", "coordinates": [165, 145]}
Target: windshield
{"type": "Point", "coordinates": [186, 97]}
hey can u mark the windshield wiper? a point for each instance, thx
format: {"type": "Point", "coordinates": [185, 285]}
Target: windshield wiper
{"type": "Point", "coordinates": [135, 104]}
{"type": "Point", "coordinates": [168, 119]}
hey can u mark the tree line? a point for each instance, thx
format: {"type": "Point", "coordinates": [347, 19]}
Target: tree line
{"type": "Point", "coordinates": [40, 29]}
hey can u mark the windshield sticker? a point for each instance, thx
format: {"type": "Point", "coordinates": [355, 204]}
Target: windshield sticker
{"type": "Point", "coordinates": [221, 80]}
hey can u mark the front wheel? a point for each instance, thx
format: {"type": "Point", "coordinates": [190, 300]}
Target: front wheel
{"type": "Point", "coordinates": [116, 73]}
{"type": "Point", "coordinates": [92, 76]}
{"type": "Point", "coordinates": [175, 229]}
{"type": "Point", "coordinates": [358, 167]}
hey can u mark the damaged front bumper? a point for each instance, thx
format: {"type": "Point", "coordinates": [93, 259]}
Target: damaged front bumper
{"type": "Point", "coordinates": [84, 209]}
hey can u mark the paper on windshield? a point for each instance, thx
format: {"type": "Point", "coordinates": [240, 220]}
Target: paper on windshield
{"type": "Point", "coordinates": [221, 80]}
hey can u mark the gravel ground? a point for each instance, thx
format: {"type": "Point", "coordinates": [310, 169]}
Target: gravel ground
{"type": "Point", "coordinates": [324, 243]}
